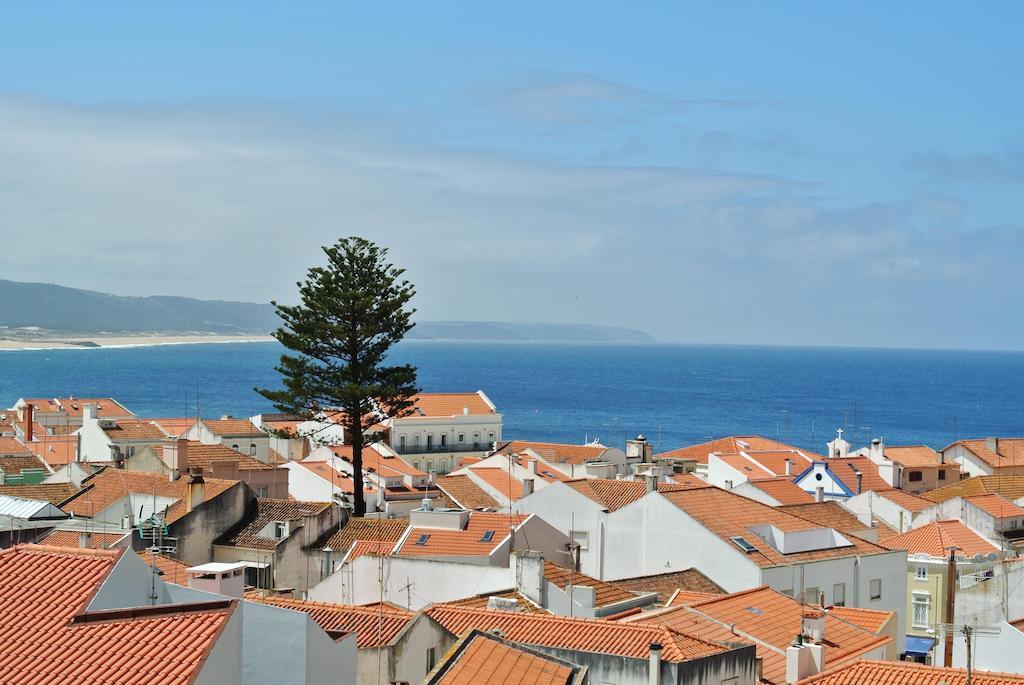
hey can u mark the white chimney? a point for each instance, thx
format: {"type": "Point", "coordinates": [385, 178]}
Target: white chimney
{"type": "Point", "coordinates": [465, 411]}
{"type": "Point", "coordinates": [88, 413]}
{"type": "Point", "coordinates": [85, 539]}
{"type": "Point", "coordinates": [175, 456]}
{"type": "Point", "coordinates": [527, 487]}
{"type": "Point", "coordinates": [427, 505]}
{"type": "Point", "coordinates": [219, 578]}
{"type": "Point", "coordinates": [652, 482]}
{"type": "Point", "coordinates": [196, 490]}
{"type": "Point", "coordinates": [789, 467]}
{"type": "Point", "coordinates": [877, 451]}
{"type": "Point", "coordinates": [812, 624]}
{"type": "Point", "coordinates": [819, 494]}
{"type": "Point", "coordinates": [654, 669]}
{"type": "Point", "coordinates": [992, 444]}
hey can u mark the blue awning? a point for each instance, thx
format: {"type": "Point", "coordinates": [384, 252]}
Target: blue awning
{"type": "Point", "coordinates": [919, 646]}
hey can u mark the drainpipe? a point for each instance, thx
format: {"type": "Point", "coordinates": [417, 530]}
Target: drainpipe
{"type": "Point", "coordinates": [654, 669]}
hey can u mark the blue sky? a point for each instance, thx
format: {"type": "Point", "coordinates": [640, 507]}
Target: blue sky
{"type": "Point", "coordinates": [794, 173]}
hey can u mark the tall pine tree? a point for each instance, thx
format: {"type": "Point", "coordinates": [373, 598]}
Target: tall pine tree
{"type": "Point", "coordinates": [352, 312]}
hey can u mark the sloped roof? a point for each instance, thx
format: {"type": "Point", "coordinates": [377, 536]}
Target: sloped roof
{"type": "Point", "coordinates": [374, 626]}
{"type": "Point", "coordinates": [615, 494]}
{"type": "Point", "coordinates": [687, 597]}
{"type": "Point", "coordinates": [171, 570]}
{"type": "Point", "coordinates": [501, 480]}
{"type": "Point", "coordinates": [174, 427]}
{"type": "Point", "coordinates": [54, 493]}
{"type": "Point", "coordinates": [605, 594]}
{"type": "Point", "coordinates": [56, 450]}
{"type": "Point", "coordinates": [1009, 452]}
{"type": "Point", "coordinates": [267, 511]}
{"type": "Point", "coordinates": [830, 514]}
{"type": "Point", "coordinates": [466, 493]}
{"type": "Point", "coordinates": [484, 658]}
{"type": "Point", "coordinates": [914, 456]}
{"type": "Point", "coordinates": [72, 538]}
{"type": "Point", "coordinates": [45, 636]}
{"type": "Point", "coordinates": [846, 468]}
{"type": "Point", "coordinates": [468, 542]}
{"type": "Point", "coordinates": [134, 429]}
{"type": "Point", "coordinates": [872, 620]}
{"type": "Point", "coordinates": [729, 445]}
{"type": "Point", "coordinates": [906, 500]}
{"type": "Point", "coordinates": [1010, 487]}
{"type": "Point", "coordinates": [481, 601]}
{"type": "Point", "coordinates": [783, 490]}
{"type": "Point", "coordinates": [359, 528]}
{"type": "Point", "coordinates": [233, 428]}
{"type": "Point", "coordinates": [444, 404]}
{"type": "Point", "coordinates": [727, 514]}
{"type": "Point", "coordinates": [996, 505]}
{"type": "Point", "coordinates": [556, 452]}
{"type": "Point", "coordinates": [935, 539]}
{"type": "Point", "coordinates": [331, 475]}
{"type": "Point", "coordinates": [202, 456]}
{"type": "Point", "coordinates": [665, 584]}
{"type": "Point", "coordinates": [12, 446]}
{"type": "Point", "coordinates": [13, 465]}
{"type": "Point", "coordinates": [907, 673]}
{"type": "Point", "coordinates": [72, 406]}
{"type": "Point", "coordinates": [585, 635]}
{"type": "Point", "coordinates": [109, 485]}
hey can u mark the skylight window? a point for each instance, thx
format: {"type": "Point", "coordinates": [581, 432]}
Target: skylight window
{"type": "Point", "coordinates": [743, 544]}
{"type": "Point", "coordinates": [423, 539]}
{"type": "Point", "coordinates": [488, 536]}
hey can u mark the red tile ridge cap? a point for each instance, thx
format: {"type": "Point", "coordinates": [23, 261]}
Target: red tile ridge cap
{"type": "Point", "coordinates": [63, 551]}
{"type": "Point", "coordinates": [730, 595]}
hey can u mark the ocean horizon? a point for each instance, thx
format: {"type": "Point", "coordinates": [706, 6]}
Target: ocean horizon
{"type": "Point", "coordinates": [673, 393]}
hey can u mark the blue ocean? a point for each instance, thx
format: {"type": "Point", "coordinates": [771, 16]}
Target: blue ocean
{"type": "Point", "coordinates": [673, 394]}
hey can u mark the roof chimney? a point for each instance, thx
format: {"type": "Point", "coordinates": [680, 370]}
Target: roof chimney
{"type": "Point", "coordinates": [426, 505]}
{"type": "Point", "coordinates": [654, 669]}
{"type": "Point", "coordinates": [992, 444]}
{"type": "Point", "coordinates": [527, 487]}
{"type": "Point", "coordinates": [196, 490]}
{"type": "Point", "coordinates": [465, 411]}
{"type": "Point", "coordinates": [29, 413]}
{"type": "Point", "coordinates": [88, 412]}
{"type": "Point", "coordinates": [819, 494]}
{"type": "Point", "coordinates": [789, 467]}
{"type": "Point", "coordinates": [860, 482]}
{"type": "Point", "coordinates": [652, 482]}
{"type": "Point", "coordinates": [176, 457]}
{"type": "Point", "coordinates": [85, 539]}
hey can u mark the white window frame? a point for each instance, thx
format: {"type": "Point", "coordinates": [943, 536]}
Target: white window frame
{"type": "Point", "coordinates": [871, 589]}
{"type": "Point", "coordinates": [839, 595]}
{"type": "Point", "coordinates": [921, 572]}
{"type": "Point", "coordinates": [920, 600]}
{"type": "Point", "coordinates": [581, 538]}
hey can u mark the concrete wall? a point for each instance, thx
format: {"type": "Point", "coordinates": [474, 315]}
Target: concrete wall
{"type": "Point", "coordinates": [285, 647]}
{"type": "Point", "coordinates": [1000, 653]}
{"type": "Point", "coordinates": [197, 529]}
{"type": "Point", "coordinates": [870, 503]}
{"type": "Point", "coordinates": [567, 510]}
{"type": "Point", "coordinates": [130, 583]}
{"type": "Point", "coordinates": [224, 664]}
{"type": "Point", "coordinates": [750, 491]}
{"type": "Point", "coordinates": [999, 599]}
{"type": "Point", "coordinates": [409, 653]}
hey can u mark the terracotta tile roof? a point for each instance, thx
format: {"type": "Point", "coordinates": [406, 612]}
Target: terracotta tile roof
{"type": "Point", "coordinates": [56, 450]}
{"type": "Point", "coordinates": [770, 462]}
{"type": "Point", "coordinates": [996, 505]}
{"type": "Point", "coordinates": [687, 597]}
{"type": "Point", "coordinates": [605, 594]}
{"type": "Point", "coordinates": [172, 570]}
{"type": "Point", "coordinates": [387, 465]}
{"type": "Point", "coordinates": [14, 465]}
{"type": "Point", "coordinates": [555, 452]}
{"type": "Point", "coordinates": [444, 404]}
{"type": "Point", "coordinates": [846, 468]}
{"type": "Point", "coordinates": [331, 475]}
{"type": "Point", "coordinates": [541, 469]}
{"type": "Point", "coordinates": [72, 538]}
{"type": "Point", "coordinates": [907, 673]}
{"type": "Point", "coordinates": [135, 430]}
{"type": "Point", "coordinates": [108, 486]}
{"type": "Point", "coordinates": [1009, 452]}
{"type": "Point", "coordinates": [871, 620]}
{"type": "Point", "coordinates": [501, 480]}
{"type": "Point", "coordinates": [1010, 487]}
{"type": "Point", "coordinates": [689, 480]}
{"type": "Point", "coordinates": [45, 639]}
{"type": "Point", "coordinates": [906, 500]}
{"type": "Point", "coordinates": [666, 584]}
{"type": "Point", "coordinates": [202, 456]}
{"type": "Point", "coordinates": [584, 635]}
{"type": "Point", "coordinates": [466, 493]}
{"type": "Point", "coordinates": [233, 428]}
{"type": "Point", "coordinates": [751, 470]}
{"type": "Point", "coordinates": [727, 515]}
{"type": "Point", "coordinates": [483, 658]}
{"type": "Point", "coordinates": [174, 427]}
{"type": "Point", "coordinates": [783, 490]}
{"type": "Point", "coordinates": [54, 493]}
{"type": "Point", "coordinates": [934, 539]}
{"type": "Point", "coordinates": [374, 626]}
{"type": "Point", "coordinates": [389, 530]}
{"type": "Point", "coordinates": [829, 514]}
{"type": "Point", "coordinates": [729, 445]}
{"type": "Point", "coordinates": [12, 446]}
{"type": "Point", "coordinates": [468, 542]}
{"type": "Point", "coordinates": [72, 406]}
{"type": "Point", "coordinates": [267, 511]}
{"type": "Point", "coordinates": [914, 456]}
{"type": "Point", "coordinates": [615, 494]}
{"type": "Point", "coordinates": [480, 601]}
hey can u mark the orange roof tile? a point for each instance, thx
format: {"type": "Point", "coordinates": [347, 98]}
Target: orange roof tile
{"type": "Point", "coordinates": [585, 635]}
{"type": "Point", "coordinates": [666, 584]}
{"type": "Point", "coordinates": [174, 427]}
{"type": "Point", "coordinates": [233, 428]}
{"type": "Point", "coordinates": [443, 404]}
{"type": "Point", "coordinates": [783, 490]}
{"type": "Point", "coordinates": [14, 465]}
{"type": "Point", "coordinates": [605, 594]}
{"type": "Point", "coordinates": [1010, 487]}
{"type": "Point", "coordinates": [72, 406]}
{"type": "Point", "coordinates": [935, 538]}
{"type": "Point", "coordinates": [331, 475]}
{"type": "Point", "coordinates": [751, 470]}
{"type": "Point", "coordinates": [907, 673]}
{"type": "Point", "coordinates": [267, 511]}
{"type": "Point", "coordinates": [688, 479]}
{"type": "Point", "coordinates": [872, 620]}
{"type": "Point", "coordinates": [501, 480]}
{"type": "Point", "coordinates": [11, 446]}
{"type": "Point", "coordinates": [481, 601]}
{"type": "Point", "coordinates": [72, 538]}
{"type": "Point", "coordinates": [135, 430]}
{"type": "Point", "coordinates": [996, 505]}
{"type": "Point", "coordinates": [771, 461]}
{"type": "Point", "coordinates": [906, 500]}
{"type": "Point", "coordinates": [1009, 452]}
{"type": "Point", "coordinates": [729, 445]}
{"type": "Point", "coordinates": [45, 637]}
{"type": "Point", "coordinates": [914, 456]}
{"type": "Point", "coordinates": [466, 493]}
{"type": "Point", "coordinates": [846, 468]}
{"type": "Point", "coordinates": [171, 570]}
{"type": "Point", "coordinates": [106, 487]}
{"type": "Point", "coordinates": [556, 452]}
{"type": "Point", "coordinates": [468, 542]}
{"type": "Point", "coordinates": [829, 513]}
{"type": "Point", "coordinates": [56, 450]}
{"type": "Point", "coordinates": [54, 493]}
{"type": "Point", "coordinates": [386, 465]}
{"type": "Point", "coordinates": [727, 515]}
{"type": "Point", "coordinates": [615, 494]}
{"type": "Point", "coordinates": [202, 456]}
{"type": "Point", "coordinates": [388, 530]}
{"type": "Point", "coordinates": [483, 658]}
{"type": "Point", "coordinates": [374, 626]}
{"type": "Point", "coordinates": [687, 597]}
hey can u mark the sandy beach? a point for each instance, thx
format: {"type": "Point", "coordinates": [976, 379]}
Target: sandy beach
{"type": "Point", "coordinates": [88, 342]}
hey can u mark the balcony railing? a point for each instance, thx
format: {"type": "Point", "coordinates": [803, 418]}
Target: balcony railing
{"type": "Point", "coordinates": [443, 449]}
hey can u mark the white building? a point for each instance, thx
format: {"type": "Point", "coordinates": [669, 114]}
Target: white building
{"type": "Point", "coordinates": [105, 439]}
{"type": "Point", "coordinates": [241, 435]}
{"type": "Point", "coordinates": [444, 427]}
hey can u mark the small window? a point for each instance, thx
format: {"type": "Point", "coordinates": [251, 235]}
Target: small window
{"type": "Point", "coordinates": [431, 659]}
{"type": "Point", "coordinates": [876, 589]}
{"type": "Point", "coordinates": [401, 443]}
{"type": "Point", "coordinates": [921, 573]}
{"type": "Point", "coordinates": [416, 465]}
{"type": "Point", "coordinates": [839, 595]}
{"type": "Point", "coordinates": [261, 491]}
{"type": "Point", "coordinates": [423, 539]}
{"type": "Point", "coordinates": [490, 437]}
{"type": "Point", "coordinates": [922, 603]}
{"type": "Point", "coordinates": [280, 529]}
{"type": "Point", "coordinates": [430, 464]}
{"type": "Point", "coordinates": [942, 474]}
{"type": "Point", "coordinates": [444, 439]}
{"type": "Point", "coordinates": [234, 446]}
{"type": "Point", "coordinates": [462, 437]}
{"type": "Point", "coordinates": [812, 595]}
{"type": "Point", "coordinates": [487, 536]}
{"type": "Point", "coordinates": [743, 544]}
{"type": "Point", "coordinates": [476, 439]}
{"type": "Point", "coordinates": [581, 538]}
{"type": "Point", "coordinates": [252, 449]}
{"type": "Point", "coordinates": [416, 441]}
{"type": "Point", "coordinates": [915, 476]}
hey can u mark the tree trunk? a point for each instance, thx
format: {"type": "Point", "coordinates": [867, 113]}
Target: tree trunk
{"type": "Point", "coordinates": [356, 429]}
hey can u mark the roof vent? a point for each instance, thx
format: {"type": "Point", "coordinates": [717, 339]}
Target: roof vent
{"type": "Point", "coordinates": [743, 544]}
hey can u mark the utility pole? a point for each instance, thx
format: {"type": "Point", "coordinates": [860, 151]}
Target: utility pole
{"type": "Point", "coordinates": [950, 603]}
{"type": "Point", "coordinates": [967, 634]}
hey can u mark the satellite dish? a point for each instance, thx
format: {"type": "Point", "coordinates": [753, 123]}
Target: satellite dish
{"type": "Point", "coordinates": [979, 558]}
